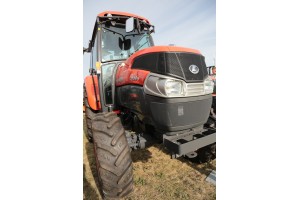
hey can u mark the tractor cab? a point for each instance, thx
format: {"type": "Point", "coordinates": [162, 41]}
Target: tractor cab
{"type": "Point", "coordinates": [116, 36]}
{"type": "Point", "coordinates": [120, 38]}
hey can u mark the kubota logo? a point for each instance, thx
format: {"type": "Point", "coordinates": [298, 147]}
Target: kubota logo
{"type": "Point", "coordinates": [194, 69]}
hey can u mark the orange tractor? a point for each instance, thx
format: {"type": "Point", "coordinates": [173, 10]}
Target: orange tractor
{"type": "Point", "coordinates": [136, 90]}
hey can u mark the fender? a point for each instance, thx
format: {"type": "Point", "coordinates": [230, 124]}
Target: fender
{"type": "Point", "coordinates": [91, 92]}
{"type": "Point", "coordinates": [127, 76]}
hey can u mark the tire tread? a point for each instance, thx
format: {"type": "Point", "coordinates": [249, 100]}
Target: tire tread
{"type": "Point", "coordinates": [114, 163]}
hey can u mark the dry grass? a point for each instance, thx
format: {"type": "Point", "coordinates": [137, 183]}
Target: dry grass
{"type": "Point", "coordinates": [156, 176]}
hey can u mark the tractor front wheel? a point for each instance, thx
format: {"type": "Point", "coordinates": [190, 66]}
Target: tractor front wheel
{"type": "Point", "coordinates": [113, 159]}
{"type": "Point", "coordinates": [89, 114]}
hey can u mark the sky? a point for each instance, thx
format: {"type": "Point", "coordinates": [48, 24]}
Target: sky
{"type": "Point", "coordinates": [186, 23]}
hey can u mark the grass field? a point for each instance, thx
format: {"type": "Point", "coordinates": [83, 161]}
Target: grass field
{"type": "Point", "coordinates": [156, 176]}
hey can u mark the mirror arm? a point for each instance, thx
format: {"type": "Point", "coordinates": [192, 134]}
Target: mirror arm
{"type": "Point", "coordinates": [138, 26]}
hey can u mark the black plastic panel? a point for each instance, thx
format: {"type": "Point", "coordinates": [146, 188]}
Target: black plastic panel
{"type": "Point", "coordinates": [179, 113]}
{"type": "Point", "coordinates": [188, 59]}
{"type": "Point", "coordinates": [147, 62]}
{"type": "Point", "coordinates": [165, 114]}
{"type": "Point", "coordinates": [175, 64]}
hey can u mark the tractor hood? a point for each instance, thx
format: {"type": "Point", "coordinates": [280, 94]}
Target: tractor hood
{"type": "Point", "coordinates": [183, 63]}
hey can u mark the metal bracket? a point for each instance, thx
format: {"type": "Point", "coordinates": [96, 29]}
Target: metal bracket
{"type": "Point", "coordinates": [187, 143]}
{"type": "Point", "coordinates": [135, 141]}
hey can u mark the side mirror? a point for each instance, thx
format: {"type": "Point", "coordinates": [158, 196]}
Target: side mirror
{"type": "Point", "coordinates": [151, 29]}
{"type": "Point", "coordinates": [127, 44]}
{"type": "Point", "coordinates": [85, 50]}
{"type": "Point", "coordinates": [124, 44]}
{"type": "Point", "coordinates": [129, 24]}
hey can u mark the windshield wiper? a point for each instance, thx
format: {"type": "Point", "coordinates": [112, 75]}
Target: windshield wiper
{"type": "Point", "coordinates": [114, 32]}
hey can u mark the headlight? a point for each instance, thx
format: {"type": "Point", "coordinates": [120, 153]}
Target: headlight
{"type": "Point", "coordinates": [165, 86]}
{"type": "Point", "coordinates": [208, 86]}
{"type": "Point", "coordinates": [171, 88]}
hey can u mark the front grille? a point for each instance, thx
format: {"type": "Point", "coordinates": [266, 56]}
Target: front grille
{"type": "Point", "coordinates": [175, 64]}
{"type": "Point", "coordinates": [188, 59]}
{"type": "Point", "coordinates": [194, 89]}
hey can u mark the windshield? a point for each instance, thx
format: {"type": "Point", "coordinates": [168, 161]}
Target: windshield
{"type": "Point", "coordinates": [116, 44]}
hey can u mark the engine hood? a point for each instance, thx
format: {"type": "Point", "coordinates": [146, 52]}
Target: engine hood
{"type": "Point", "coordinates": [156, 49]}
{"type": "Point", "coordinates": [179, 62]}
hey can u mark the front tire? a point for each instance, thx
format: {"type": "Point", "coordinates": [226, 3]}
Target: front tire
{"type": "Point", "coordinates": [113, 159]}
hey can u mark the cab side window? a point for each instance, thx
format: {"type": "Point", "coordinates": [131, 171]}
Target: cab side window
{"type": "Point", "coordinates": [94, 54]}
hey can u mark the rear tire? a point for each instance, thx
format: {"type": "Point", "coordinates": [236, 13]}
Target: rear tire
{"type": "Point", "coordinates": [113, 159]}
{"type": "Point", "coordinates": [89, 114]}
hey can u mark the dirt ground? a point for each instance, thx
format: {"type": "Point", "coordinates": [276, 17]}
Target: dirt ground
{"type": "Point", "coordinates": [156, 176]}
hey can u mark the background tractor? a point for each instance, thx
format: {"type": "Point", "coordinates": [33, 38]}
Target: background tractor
{"type": "Point", "coordinates": [212, 116]}
{"type": "Point", "coordinates": [137, 91]}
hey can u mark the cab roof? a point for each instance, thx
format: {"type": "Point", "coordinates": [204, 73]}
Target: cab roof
{"type": "Point", "coordinates": [102, 14]}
